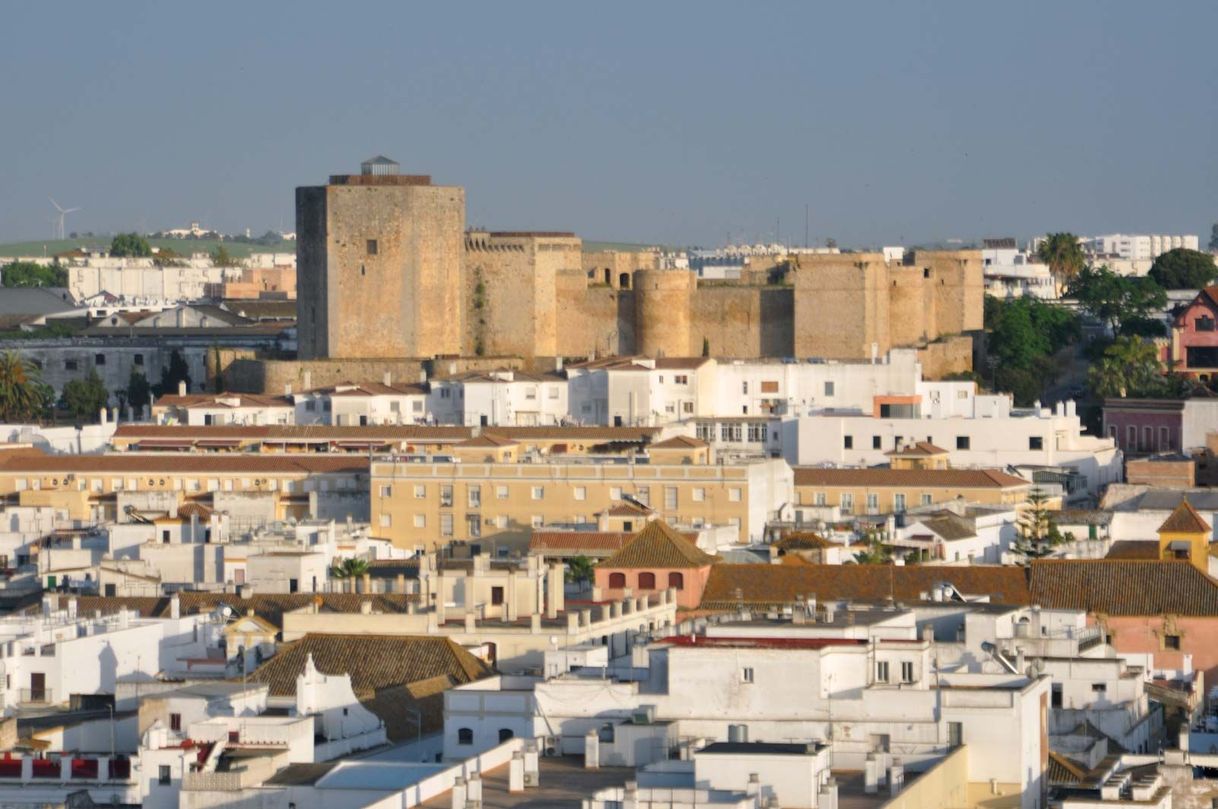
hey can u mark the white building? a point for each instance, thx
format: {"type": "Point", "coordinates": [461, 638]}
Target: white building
{"type": "Point", "coordinates": [361, 404]}
{"type": "Point", "coordinates": [1012, 273]}
{"type": "Point", "coordinates": [514, 398]}
{"type": "Point", "coordinates": [1138, 246]}
{"type": "Point", "coordinates": [995, 435]}
{"type": "Point", "coordinates": [208, 409]}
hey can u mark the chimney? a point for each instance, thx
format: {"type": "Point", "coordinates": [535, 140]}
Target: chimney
{"type": "Point", "coordinates": [387, 379]}
{"type": "Point", "coordinates": [308, 380]}
{"type": "Point", "coordinates": [287, 388]}
{"type": "Point", "coordinates": [458, 793]}
{"type": "Point", "coordinates": [422, 376]}
{"type": "Point", "coordinates": [175, 607]}
{"type": "Point", "coordinates": [182, 387]}
{"type": "Point", "coordinates": [104, 417]}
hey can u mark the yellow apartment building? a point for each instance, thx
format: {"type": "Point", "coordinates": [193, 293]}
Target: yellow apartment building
{"type": "Point", "coordinates": [423, 505]}
{"type": "Point", "coordinates": [88, 487]}
{"type": "Point", "coordinates": [886, 490]}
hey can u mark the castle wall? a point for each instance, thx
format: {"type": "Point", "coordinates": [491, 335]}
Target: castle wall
{"type": "Point", "coordinates": [959, 286]}
{"type": "Point", "coordinates": [606, 267]}
{"type": "Point", "coordinates": [596, 320]}
{"type": "Point", "coordinates": [740, 321]}
{"type": "Point", "coordinates": [911, 305]}
{"type": "Point", "coordinates": [663, 309]}
{"type": "Point", "coordinates": [312, 298]}
{"type": "Point", "coordinates": [841, 306]}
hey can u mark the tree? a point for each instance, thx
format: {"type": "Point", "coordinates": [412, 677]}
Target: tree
{"type": "Point", "coordinates": [877, 553]}
{"type": "Point", "coordinates": [1063, 254]}
{"type": "Point", "coordinates": [130, 245]}
{"type": "Point", "coordinates": [580, 570]}
{"type": "Point", "coordinates": [22, 394]}
{"type": "Point", "coordinates": [221, 258]}
{"type": "Point", "coordinates": [1213, 245]}
{"type": "Point", "coordinates": [352, 568]}
{"type": "Point", "coordinates": [1118, 301]}
{"type": "Point", "coordinates": [705, 346]}
{"type": "Point", "coordinates": [1184, 269]}
{"type": "Point", "coordinates": [1129, 367]}
{"type": "Point", "coordinates": [84, 398]}
{"type": "Point", "coordinates": [138, 390]}
{"type": "Point", "coordinates": [1037, 533]}
{"type": "Point", "coordinates": [30, 274]}
{"type": "Point", "coordinates": [177, 371]}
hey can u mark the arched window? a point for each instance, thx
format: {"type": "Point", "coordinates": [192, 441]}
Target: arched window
{"type": "Point", "coordinates": [623, 280]}
{"type": "Point", "coordinates": [465, 736]}
{"type": "Point", "coordinates": [505, 734]}
{"type": "Point", "coordinates": [647, 581]}
{"type": "Point", "coordinates": [617, 581]}
{"type": "Point", "coordinates": [607, 276]}
{"type": "Point", "coordinates": [676, 580]}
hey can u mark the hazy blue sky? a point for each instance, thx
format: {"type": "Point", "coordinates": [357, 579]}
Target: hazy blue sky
{"type": "Point", "coordinates": [652, 121]}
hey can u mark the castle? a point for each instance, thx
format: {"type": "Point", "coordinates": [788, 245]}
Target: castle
{"type": "Point", "coordinates": [387, 270]}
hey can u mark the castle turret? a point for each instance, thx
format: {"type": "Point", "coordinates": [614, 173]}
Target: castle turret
{"type": "Point", "coordinates": [662, 301]}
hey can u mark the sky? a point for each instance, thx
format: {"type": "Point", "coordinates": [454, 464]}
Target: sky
{"type": "Point", "coordinates": [684, 123]}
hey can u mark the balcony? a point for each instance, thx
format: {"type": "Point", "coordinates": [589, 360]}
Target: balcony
{"type": "Point", "coordinates": [35, 696]}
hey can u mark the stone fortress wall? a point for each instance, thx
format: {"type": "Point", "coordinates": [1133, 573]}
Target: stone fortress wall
{"type": "Point", "coordinates": [387, 271]}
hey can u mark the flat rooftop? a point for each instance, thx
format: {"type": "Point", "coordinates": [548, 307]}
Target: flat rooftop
{"type": "Point", "coordinates": [564, 784]}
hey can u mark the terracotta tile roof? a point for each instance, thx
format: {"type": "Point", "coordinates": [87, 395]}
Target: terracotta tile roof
{"type": "Point", "coordinates": [573, 433]}
{"type": "Point", "coordinates": [803, 541]}
{"type": "Point", "coordinates": [222, 400]}
{"type": "Point", "coordinates": [659, 545]}
{"type": "Point", "coordinates": [294, 432]}
{"type": "Point", "coordinates": [680, 442]}
{"type": "Point", "coordinates": [1123, 587]}
{"type": "Point", "coordinates": [930, 478]}
{"type": "Point", "coordinates": [188, 510]}
{"type": "Point", "coordinates": [775, 585]}
{"type": "Point", "coordinates": [374, 662]}
{"type": "Point", "coordinates": [182, 463]}
{"type": "Point", "coordinates": [1064, 772]}
{"type": "Point", "coordinates": [1133, 549]}
{"type": "Point", "coordinates": [1184, 520]}
{"type": "Point", "coordinates": [948, 527]}
{"type": "Point", "coordinates": [355, 389]}
{"type": "Point", "coordinates": [488, 441]}
{"type": "Point", "coordinates": [575, 541]}
{"type": "Point", "coordinates": [920, 449]}
{"type": "Point", "coordinates": [626, 508]}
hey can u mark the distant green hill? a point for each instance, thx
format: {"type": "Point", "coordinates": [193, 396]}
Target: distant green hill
{"type": "Point", "coordinates": [183, 247]}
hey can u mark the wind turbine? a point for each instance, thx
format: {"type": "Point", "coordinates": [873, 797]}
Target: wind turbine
{"type": "Point", "coordinates": [62, 212]}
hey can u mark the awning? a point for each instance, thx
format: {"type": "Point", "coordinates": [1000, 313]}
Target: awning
{"type": "Point", "coordinates": [165, 443]}
{"type": "Point", "coordinates": [218, 442]}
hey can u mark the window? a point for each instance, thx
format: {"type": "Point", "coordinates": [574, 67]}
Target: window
{"type": "Point", "coordinates": [474, 496]}
{"type": "Point", "coordinates": [617, 581]}
{"type": "Point", "coordinates": [907, 671]}
{"type": "Point", "coordinates": [69, 365]}
{"type": "Point", "coordinates": [705, 432]}
{"type": "Point", "coordinates": [670, 498]}
{"type": "Point", "coordinates": [465, 736]}
{"type": "Point", "coordinates": [744, 388]}
{"type": "Point", "coordinates": [955, 734]}
{"type": "Point", "coordinates": [446, 495]}
{"type": "Point", "coordinates": [372, 247]}
{"type": "Point", "coordinates": [310, 406]}
{"type": "Point", "coordinates": [927, 499]}
{"type": "Point", "coordinates": [1035, 442]}
{"type": "Point", "coordinates": [386, 521]}
{"type": "Point", "coordinates": [473, 525]}
{"type": "Point", "coordinates": [875, 442]}
{"type": "Point", "coordinates": [496, 596]}
{"type": "Point", "coordinates": [647, 581]}
{"type": "Point", "coordinates": [828, 388]}
{"type": "Point", "coordinates": [898, 502]}
{"type": "Point", "coordinates": [746, 674]}
{"type": "Point", "coordinates": [1171, 642]}
{"type": "Point", "coordinates": [138, 359]}
{"type": "Point", "coordinates": [164, 775]}
{"type": "Point", "coordinates": [1164, 438]}
{"type": "Point", "coordinates": [687, 407]}
{"type": "Point", "coordinates": [881, 671]}
{"type": "Point", "coordinates": [820, 499]}
{"type": "Point", "coordinates": [1205, 323]}
{"type": "Point", "coordinates": [175, 721]}
{"type": "Point", "coordinates": [1099, 688]}
{"type": "Point", "coordinates": [643, 495]}
{"type": "Point", "coordinates": [99, 359]}
{"type": "Point", "coordinates": [539, 492]}
{"type": "Point", "coordinates": [420, 491]}
{"type": "Point", "coordinates": [420, 521]}
{"type": "Point", "coordinates": [1056, 697]}
{"type": "Point", "coordinates": [681, 379]}
{"type": "Point", "coordinates": [386, 491]}
{"type": "Point", "coordinates": [501, 492]}
{"type": "Point", "coordinates": [734, 494]}
{"type": "Point", "coordinates": [697, 494]}
{"type": "Point", "coordinates": [731, 432]}
{"type": "Point", "coordinates": [962, 442]}
{"type": "Point", "coordinates": [848, 442]}
{"type": "Point", "coordinates": [676, 580]}
{"type": "Point", "coordinates": [615, 492]}
{"type": "Point", "coordinates": [873, 503]}
{"type": "Point", "coordinates": [505, 734]}
{"type": "Point", "coordinates": [446, 525]}
{"type": "Point", "coordinates": [1148, 438]}
{"type": "Point", "coordinates": [580, 493]}
{"type": "Point", "coordinates": [536, 521]}
{"type": "Point", "coordinates": [847, 503]}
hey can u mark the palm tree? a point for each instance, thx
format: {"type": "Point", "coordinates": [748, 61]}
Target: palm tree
{"type": "Point", "coordinates": [877, 552]}
{"type": "Point", "coordinates": [579, 569]}
{"type": "Point", "coordinates": [352, 568]}
{"type": "Point", "coordinates": [1063, 254]}
{"type": "Point", "coordinates": [22, 394]}
{"type": "Point", "coordinates": [1130, 367]}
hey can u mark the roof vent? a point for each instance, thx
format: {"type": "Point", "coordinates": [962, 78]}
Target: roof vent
{"type": "Point", "coordinates": [379, 166]}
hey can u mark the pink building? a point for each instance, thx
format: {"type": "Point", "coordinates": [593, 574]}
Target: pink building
{"type": "Point", "coordinates": [1144, 426]}
{"type": "Point", "coordinates": [657, 558]}
{"type": "Point", "coordinates": [1194, 340]}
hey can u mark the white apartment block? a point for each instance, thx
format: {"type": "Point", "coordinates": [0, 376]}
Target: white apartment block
{"type": "Point", "coordinates": [514, 399]}
{"type": "Point", "coordinates": [1012, 273]}
{"type": "Point", "coordinates": [1138, 246]}
{"type": "Point", "coordinates": [996, 435]}
{"type": "Point", "coordinates": [363, 404]}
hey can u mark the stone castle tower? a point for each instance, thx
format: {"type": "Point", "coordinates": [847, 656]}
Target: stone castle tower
{"type": "Point", "coordinates": [379, 265]}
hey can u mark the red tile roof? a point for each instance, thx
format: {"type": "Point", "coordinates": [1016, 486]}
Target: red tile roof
{"type": "Point", "coordinates": [881, 477]}
{"type": "Point", "coordinates": [182, 463]}
{"type": "Point", "coordinates": [1184, 520]}
{"type": "Point", "coordinates": [659, 545]}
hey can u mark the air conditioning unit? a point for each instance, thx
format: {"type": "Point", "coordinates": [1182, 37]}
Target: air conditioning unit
{"type": "Point", "coordinates": [530, 779]}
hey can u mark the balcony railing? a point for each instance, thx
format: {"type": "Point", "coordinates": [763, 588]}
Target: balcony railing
{"type": "Point", "coordinates": [35, 696]}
